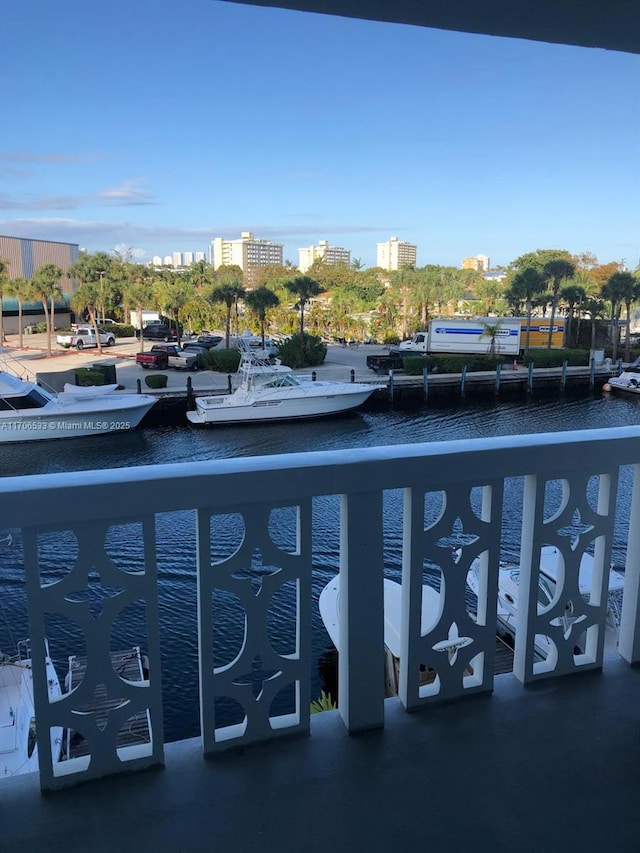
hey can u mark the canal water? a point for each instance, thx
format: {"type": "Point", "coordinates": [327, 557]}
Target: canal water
{"type": "Point", "coordinates": [176, 532]}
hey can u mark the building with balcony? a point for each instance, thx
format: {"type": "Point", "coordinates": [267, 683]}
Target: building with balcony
{"type": "Point", "coordinates": [324, 252]}
{"type": "Point", "coordinates": [394, 254]}
{"type": "Point", "coordinates": [247, 253]}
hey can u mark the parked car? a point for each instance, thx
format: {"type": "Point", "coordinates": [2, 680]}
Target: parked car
{"type": "Point", "coordinates": [162, 356]}
{"type": "Point", "coordinates": [158, 332]}
{"type": "Point", "coordinates": [209, 341]}
{"type": "Point", "coordinates": [85, 336]}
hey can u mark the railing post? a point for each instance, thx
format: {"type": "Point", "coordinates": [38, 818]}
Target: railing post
{"type": "Point", "coordinates": [360, 668]}
{"type": "Point", "coordinates": [229, 383]}
{"type": "Point", "coordinates": [139, 386]}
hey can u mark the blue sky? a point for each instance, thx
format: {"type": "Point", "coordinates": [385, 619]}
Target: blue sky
{"type": "Point", "coordinates": [159, 125]}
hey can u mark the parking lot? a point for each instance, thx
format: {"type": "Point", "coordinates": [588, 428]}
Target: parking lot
{"type": "Point", "coordinates": [33, 359]}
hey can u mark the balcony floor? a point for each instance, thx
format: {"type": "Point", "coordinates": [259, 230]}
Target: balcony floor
{"type": "Point", "coordinates": [554, 768]}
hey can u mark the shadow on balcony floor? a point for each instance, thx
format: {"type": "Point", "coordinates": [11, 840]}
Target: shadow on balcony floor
{"type": "Point", "coordinates": [553, 768]}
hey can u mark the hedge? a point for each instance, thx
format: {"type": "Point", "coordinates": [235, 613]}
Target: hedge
{"type": "Point", "coordinates": [221, 360]}
{"type": "Point", "coordinates": [156, 380]}
{"type": "Point", "coordinates": [556, 357]}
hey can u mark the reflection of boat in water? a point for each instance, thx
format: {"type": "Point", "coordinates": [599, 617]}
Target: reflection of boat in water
{"type": "Point", "coordinates": [29, 412]}
{"type": "Point", "coordinates": [549, 570]}
{"type": "Point", "coordinates": [18, 742]}
{"type": "Point", "coordinates": [329, 604]}
{"type": "Point", "coordinates": [272, 392]}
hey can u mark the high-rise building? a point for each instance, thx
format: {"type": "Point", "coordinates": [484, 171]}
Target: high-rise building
{"type": "Point", "coordinates": [168, 261]}
{"type": "Point", "coordinates": [199, 256]}
{"type": "Point", "coordinates": [478, 262]}
{"type": "Point", "coordinates": [329, 254]}
{"type": "Point", "coordinates": [394, 255]}
{"type": "Point", "coordinates": [187, 259]}
{"type": "Point", "coordinates": [176, 259]}
{"type": "Point", "coordinates": [156, 261]}
{"type": "Point", "coordinates": [247, 252]}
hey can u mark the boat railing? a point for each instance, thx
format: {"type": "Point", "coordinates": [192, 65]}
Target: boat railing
{"type": "Point", "coordinates": [256, 535]}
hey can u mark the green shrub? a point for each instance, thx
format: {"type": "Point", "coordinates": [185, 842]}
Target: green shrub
{"type": "Point", "coordinates": [413, 365]}
{"type": "Point", "coordinates": [119, 331]}
{"type": "Point", "coordinates": [222, 360]}
{"type": "Point", "coordinates": [39, 327]}
{"type": "Point", "coordinates": [556, 357]}
{"type": "Point", "coordinates": [86, 376]}
{"type": "Point", "coordinates": [156, 380]}
{"type": "Point", "coordinates": [391, 340]}
{"type": "Point", "coordinates": [454, 362]}
{"type": "Point", "coordinates": [305, 351]}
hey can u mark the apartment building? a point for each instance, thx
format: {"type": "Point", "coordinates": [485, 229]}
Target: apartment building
{"type": "Point", "coordinates": [323, 251]}
{"type": "Point", "coordinates": [394, 254]}
{"type": "Point", "coordinates": [478, 262]}
{"type": "Point", "coordinates": [247, 252]}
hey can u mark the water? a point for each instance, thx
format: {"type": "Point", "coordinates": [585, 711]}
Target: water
{"type": "Point", "coordinates": [176, 563]}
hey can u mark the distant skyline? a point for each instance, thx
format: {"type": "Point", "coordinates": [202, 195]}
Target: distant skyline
{"type": "Point", "coordinates": [159, 127]}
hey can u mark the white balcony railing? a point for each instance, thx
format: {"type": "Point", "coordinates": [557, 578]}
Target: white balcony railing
{"type": "Point", "coordinates": [453, 495]}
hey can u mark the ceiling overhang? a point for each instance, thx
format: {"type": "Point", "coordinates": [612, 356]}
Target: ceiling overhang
{"type": "Point", "coordinates": [612, 25]}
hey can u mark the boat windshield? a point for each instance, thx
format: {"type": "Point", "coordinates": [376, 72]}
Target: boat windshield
{"type": "Point", "coordinates": [281, 380]}
{"type": "Point", "coordinates": [33, 400]}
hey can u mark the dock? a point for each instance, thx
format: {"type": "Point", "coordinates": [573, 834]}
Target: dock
{"type": "Point", "coordinates": [131, 665]}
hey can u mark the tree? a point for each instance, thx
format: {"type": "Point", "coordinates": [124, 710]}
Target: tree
{"type": "Point", "coordinates": [46, 283]}
{"type": "Point", "coordinates": [492, 331]}
{"type": "Point", "coordinates": [571, 295]}
{"type": "Point", "coordinates": [260, 301]}
{"type": "Point", "coordinates": [22, 289]}
{"type": "Point", "coordinates": [228, 290]}
{"type": "Point", "coordinates": [4, 279]}
{"type": "Point", "coordinates": [621, 287]}
{"type": "Point", "coordinates": [138, 291]}
{"type": "Point", "coordinates": [305, 288]}
{"type": "Point", "coordinates": [86, 299]}
{"type": "Point", "coordinates": [556, 272]}
{"type": "Point", "coordinates": [201, 275]}
{"type": "Point", "coordinates": [614, 291]}
{"type": "Point", "coordinates": [525, 286]}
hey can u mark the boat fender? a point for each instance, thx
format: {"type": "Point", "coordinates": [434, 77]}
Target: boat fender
{"type": "Point", "coordinates": [633, 383]}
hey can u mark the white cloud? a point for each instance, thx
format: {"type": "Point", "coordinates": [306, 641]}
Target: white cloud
{"type": "Point", "coordinates": [129, 193]}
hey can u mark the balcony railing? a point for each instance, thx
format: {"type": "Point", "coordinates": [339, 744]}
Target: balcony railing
{"type": "Point", "coordinates": [567, 489]}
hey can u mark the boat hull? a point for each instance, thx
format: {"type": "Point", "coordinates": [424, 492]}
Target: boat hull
{"type": "Point", "coordinates": [229, 409]}
{"type": "Point", "coordinates": [74, 421]}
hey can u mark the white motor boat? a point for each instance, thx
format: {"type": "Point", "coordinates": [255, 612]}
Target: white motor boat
{"type": "Point", "coordinates": [29, 412]}
{"type": "Point", "coordinates": [18, 741]}
{"type": "Point", "coordinates": [509, 587]}
{"type": "Point", "coordinates": [329, 605]}
{"type": "Point", "coordinates": [271, 392]}
{"type": "Point", "coordinates": [628, 381]}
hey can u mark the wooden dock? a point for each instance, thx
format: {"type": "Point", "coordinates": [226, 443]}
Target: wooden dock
{"type": "Point", "coordinates": [130, 665]}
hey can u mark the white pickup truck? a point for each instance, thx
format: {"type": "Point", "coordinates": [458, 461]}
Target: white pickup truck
{"type": "Point", "coordinates": [85, 336]}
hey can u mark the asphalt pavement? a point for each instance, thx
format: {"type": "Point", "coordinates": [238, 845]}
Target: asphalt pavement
{"type": "Point", "coordinates": [33, 360]}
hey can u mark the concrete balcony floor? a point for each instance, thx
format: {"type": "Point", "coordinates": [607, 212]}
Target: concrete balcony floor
{"type": "Point", "coordinates": [551, 768]}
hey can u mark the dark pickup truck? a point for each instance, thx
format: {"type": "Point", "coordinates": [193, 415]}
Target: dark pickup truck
{"type": "Point", "coordinates": [384, 363]}
{"type": "Point", "coordinates": [162, 356]}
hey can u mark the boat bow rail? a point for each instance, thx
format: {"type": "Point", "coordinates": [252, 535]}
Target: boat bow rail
{"type": "Point", "coordinates": [451, 502]}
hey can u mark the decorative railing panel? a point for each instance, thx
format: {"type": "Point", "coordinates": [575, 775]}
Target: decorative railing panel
{"type": "Point", "coordinates": [565, 489]}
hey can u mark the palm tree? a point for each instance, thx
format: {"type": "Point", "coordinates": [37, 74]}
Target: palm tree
{"type": "Point", "coordinates": [621, 287]}
{"type": "Point", "coordinates": [556, 272]}
{"type": "Point", "coordinates": [525, 286]}
{"type": "Point", "coordinates": [614, 290]}
{"type": "Point", "coordinates": [201, 275]}
{"type": "Point", "coordinates": [305, 288]}
{"type": "Point", "coordinates": [572, 295]}
{"type": "Point", "coordinates": [4, 279]}
{"type": "Point", "coordinates": [260, 301]}
{"type": "Point", "coordinates": [173, 293]}
{"type": "Point", "coordinates": [22, 289]}
{"type": "Point", "coordinates": [228, 294]}
{"type": "Point", "coordinates": [87, 298]}
{"type": "Point", "coordinates": [492, 331]}
{"type": "Point", "coordinates": [46, 283]}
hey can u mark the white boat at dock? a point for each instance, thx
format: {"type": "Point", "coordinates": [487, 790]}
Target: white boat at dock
{"type": "Point", "coordinates": [18, 741]}
{"type": "Point", "coordinates": [29, 412]}
{"type": "Point", "coordinates": [629, 380]}
{"type": "Point", "coordinates": [269, 391]}
{"type": "Point", "coordinates": [549, 571]}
